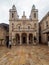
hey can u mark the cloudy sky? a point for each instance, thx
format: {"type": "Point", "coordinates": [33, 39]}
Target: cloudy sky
{"type": "Point", "coordinates": [22, 5]}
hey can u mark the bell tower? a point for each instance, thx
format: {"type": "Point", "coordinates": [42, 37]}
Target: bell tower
{"type": "Point", "coordinates": [13, 13]}
{"type": "Point", "coordinates": [34, 13]}
{"type": "Point", "coordinates": [34, 18]}
{"type": "Point", "coordinates": [13, 16]}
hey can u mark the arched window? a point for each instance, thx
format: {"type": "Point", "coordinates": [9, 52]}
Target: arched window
{"type": "Point", "coordinates": [19, 27]}
{"type": "Point", "coordinates": [46, 23]}
{"type": "Point", "coordinates": [12, 15]}
{"type": "Point", "coordinates": [28, 27]}
{"type": "Point", "coordinates": [34, 15]}
{"type": "Point", "coordinates": [12, 23]}
{"type": "Point", "coordinates": [12, 26]}
{"type": "Point", "coordinates": [35, 25]}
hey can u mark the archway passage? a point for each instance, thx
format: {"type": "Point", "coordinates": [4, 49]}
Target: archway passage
{"type": "Point", "coordinates": [17, 39]}
{"type": "Point", "coordinates": [30, 38]}
{"type": "Point", "coordinates": [7, 41]}
{"type": "Point", "coordinates": [24, 38]}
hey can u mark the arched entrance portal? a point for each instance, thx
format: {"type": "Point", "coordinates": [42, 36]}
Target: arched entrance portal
{"type": "Point", "coordinates": [30, 38]}
{"type": "Point", "coordinates": [17, 39]}
{"type": "Point", "coordinates": [24, 38]}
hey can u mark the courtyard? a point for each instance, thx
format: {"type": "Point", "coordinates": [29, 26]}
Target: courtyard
{"type": "Point", "coordinates": [24, 55]}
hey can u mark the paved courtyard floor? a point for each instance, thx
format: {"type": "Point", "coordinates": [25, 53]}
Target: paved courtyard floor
{"type": "Point", "coordinates": [24, 55]}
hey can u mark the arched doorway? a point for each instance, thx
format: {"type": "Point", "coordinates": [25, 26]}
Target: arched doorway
{"type": "Point", "coordinates": [24, 38]}
{"type": "Point", "coordinates": [30, 38]}
{"type": "Point", "coordinates": [7, 41]}
{"type": "Point", "coordinates": [17, 39]}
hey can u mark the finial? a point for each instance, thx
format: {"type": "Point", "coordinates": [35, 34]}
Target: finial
{"type": "Point", "coordinates": [23, 13]}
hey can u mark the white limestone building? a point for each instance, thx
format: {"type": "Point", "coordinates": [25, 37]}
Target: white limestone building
{"type": "Point", "coordinates": [23, 31]}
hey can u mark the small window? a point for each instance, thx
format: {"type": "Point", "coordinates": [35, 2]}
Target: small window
{"type": "Point", "coordinates": [12, 24]}
{"type": "Point", "coordinates": [35, 25]}
{"type": "Point", "coordinates": [46, 23]}
{"type": "Point", "coordinates": [34, 15]}
{"type": "Point", "coordinates": [19, 27]}
{"type": "Point", "coordinates": [12, 15]}
{"type": "Point", "coordinates": [28, 27]}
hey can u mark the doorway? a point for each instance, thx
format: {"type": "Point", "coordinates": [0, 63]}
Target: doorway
{"type": "Point", "coordinates": [30, 38]}
{"type": "Point", "coordinates": [24, 38]}
{"type": "Point", "coordinates": [17, 39]}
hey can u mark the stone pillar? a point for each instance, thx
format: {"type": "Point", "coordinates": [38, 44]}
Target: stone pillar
{"type": "Point", "coordinates": [27, 39]}
{"type": "Point", "coordinates": [10, 37]}
{"type": "Point", "coordinates": [34, 43]}
{"type": "Point", "coordinates": [37, 36]}
{"type": "Point", "coordinates": [20, 40]}
{"type": "Point", "coordinates": [33, 39]}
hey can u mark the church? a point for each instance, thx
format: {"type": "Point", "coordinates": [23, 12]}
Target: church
{"type": "Point", "coordinates": [23, 31]}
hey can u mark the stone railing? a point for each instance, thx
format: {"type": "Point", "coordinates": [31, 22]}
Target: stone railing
{"type": "Point", "coordinates": [19, 30]}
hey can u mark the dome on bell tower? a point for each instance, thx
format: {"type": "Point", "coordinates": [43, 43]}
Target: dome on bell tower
{"type": "Point", "coordinates": [13, 13]}
{"type": "Point", "coordinates": [33, 7]}
{"type": "Point", "coordinates": [13, 7]}
{"type": "Point", "coordinates": [34, 13]}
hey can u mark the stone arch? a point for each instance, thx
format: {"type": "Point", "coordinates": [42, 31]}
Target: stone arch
{"type": "Point", "coordinates": [24, 38]}
{"type": "Point", "coordinates": [29, 25]}
{"type": "Point", "coordinates": [17, 39]}
{"type": "Point", "coordinates": [18, 26]}
{"type": "Point", "coordinates": [30, 38]}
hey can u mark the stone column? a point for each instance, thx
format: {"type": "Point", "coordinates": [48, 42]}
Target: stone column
{"type": "Point", "coordinates": [33, 39]}
{"type": "Point", "coordinates": [20, 40]}
{"type": "Point", "coordinates": [34, 43]}
{"type": "Point", "coordinates": [27, 39]}
{"type": "Point", "coordinates": [10, 37]}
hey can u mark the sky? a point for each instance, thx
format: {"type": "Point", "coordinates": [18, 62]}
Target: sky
{"type": "Point", "coordinates": [22, 5]}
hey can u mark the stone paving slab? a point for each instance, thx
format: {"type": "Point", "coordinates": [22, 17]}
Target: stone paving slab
{"type": "Point", "coordinates": [24, 55]}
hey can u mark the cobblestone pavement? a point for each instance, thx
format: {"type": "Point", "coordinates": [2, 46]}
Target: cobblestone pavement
{"type": "Point", "coordinates": [24, 55]}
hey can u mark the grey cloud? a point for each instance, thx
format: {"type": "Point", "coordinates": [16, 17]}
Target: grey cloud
{"type": "Point", "coordinates": [22, 5]}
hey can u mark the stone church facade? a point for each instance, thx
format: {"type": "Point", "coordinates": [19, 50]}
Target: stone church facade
{"type": "Point", "coordinates": [24, 30]}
